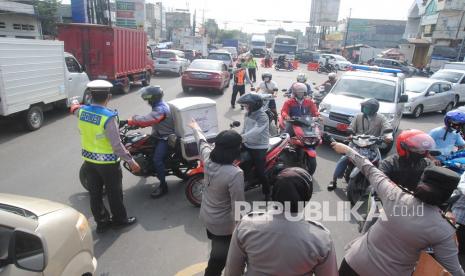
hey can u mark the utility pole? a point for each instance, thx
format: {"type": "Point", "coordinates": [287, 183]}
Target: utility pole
{"type": "Point", "coordinates": [347, 29]}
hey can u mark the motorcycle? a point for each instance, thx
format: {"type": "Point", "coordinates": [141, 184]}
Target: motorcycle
{"type": "Point", "coordinates": [307, 137]}
{"type": "Point", "coordinates": [275, 159]}
{"type": "Point", "coordinates": [455, 162]}
{"type": "Point", "coordinates": [141, 146]}
{"type": "Point", "coordinates": [319, 95]}
{"type": "Point", "coordinates": [326, 69]}
{"type": "Point", "coordinates": [284, 65]}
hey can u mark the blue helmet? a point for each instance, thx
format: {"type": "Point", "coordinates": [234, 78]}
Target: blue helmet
{"type": "Point", "coordinates": [454, 119]}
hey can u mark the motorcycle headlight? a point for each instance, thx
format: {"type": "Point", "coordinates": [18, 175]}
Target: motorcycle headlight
{"type": "Point", "coordinates": [390, 116]}
{"type": "Point", "coordinates": [325, 107]}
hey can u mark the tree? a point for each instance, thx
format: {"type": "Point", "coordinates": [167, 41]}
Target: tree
{"type": "Point", "coordinates": [47, 11]}
{"type": "Point", "coordinates": [211, 28]}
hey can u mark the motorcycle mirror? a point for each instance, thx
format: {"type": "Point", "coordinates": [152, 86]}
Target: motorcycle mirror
{"type": "Point", "coordinates": [276, 89]}
{"type": "Point", "coordinates": [235, 124]}
{"type": "Point", "coordinates": [284, 90]}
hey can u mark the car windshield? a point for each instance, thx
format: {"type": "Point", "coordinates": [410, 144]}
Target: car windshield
{"type": "Point", "coordinates": [415, 85]}
{"type": "Point", "coordinates": [284, 49]}
{"type": "Point", "coordinates": [453, 77]}
{"type": "Point", "coordinates": [216, 56]}
{"type": "Point", "coordinates": [204, 65]}
{"type": "Point", "coordinates": [340, 58]}
{"type": "Point", "coordinates": [382, 90]}
{"type": "Point", "coordinates": [258, 43]}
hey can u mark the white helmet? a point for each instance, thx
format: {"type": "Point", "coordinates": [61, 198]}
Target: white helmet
{"type": "Point", "coordinates": [332, 76]}
{"type": "Point", "coordinates": [301, 77]}
{"type": "Point", "coordinates": [299, 90]}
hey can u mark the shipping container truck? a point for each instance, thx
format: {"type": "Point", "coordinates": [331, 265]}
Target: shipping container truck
{"type": "Point", "coordinates": [37, 75]}
{"type": "Point", "coordinates": [231, 43]}
{"type": "Point", "coordinates": [118, 55]}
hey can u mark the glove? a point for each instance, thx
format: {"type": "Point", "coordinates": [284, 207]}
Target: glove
{"type": "Point", "coordinates": [122, 123]}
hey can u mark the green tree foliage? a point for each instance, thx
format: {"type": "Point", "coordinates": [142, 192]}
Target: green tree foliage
{"type": "Point", "coordinates": [47, 11]}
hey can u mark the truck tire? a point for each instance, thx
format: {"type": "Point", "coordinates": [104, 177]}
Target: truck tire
{"type": "Point", "coordinates": [146, 81]}
{"type": "Point", "coordinates": [34, 118]}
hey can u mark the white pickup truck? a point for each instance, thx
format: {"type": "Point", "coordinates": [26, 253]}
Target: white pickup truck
{"type": "Point", "coordinates": [35, 76]}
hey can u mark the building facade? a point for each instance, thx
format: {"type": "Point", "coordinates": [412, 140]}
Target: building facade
{"type": "Point", "coordinates": [19, 21]}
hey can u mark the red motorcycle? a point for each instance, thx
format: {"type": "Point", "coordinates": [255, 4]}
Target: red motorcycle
{"type": "Point", "coordinates": [307, 136]}
{"type": "Point", "coordinates": [141, 147]}
{"type": "Point", "coordinates": [275, 158]}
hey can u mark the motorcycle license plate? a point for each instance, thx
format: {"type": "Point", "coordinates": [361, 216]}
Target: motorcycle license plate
{"type": "Point", "coordinates": [342, 127]}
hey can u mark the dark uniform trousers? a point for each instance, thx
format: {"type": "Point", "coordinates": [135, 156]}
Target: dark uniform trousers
{"type": "Point", "coordinates": [218, 254]}
{"type": "Point", "coordinates": [110, 176]}
{"type": "Point", "coordinates": [237, 89]}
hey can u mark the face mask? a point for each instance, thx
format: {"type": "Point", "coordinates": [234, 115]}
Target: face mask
{"type": "Point", "coordinates": [267, 79]}
{"type": "Point", "coordinates": [299, 96]}
{"type": "Point", "coordinates": [414, 157]}
{"type": "Point", "coordinates": [366, 110]}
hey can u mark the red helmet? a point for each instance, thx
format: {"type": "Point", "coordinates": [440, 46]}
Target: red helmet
{"type": "Point", "coordinates": [414, 140]}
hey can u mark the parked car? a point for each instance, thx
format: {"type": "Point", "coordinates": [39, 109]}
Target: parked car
{"type": "Point", "coordinates": [41, 237]}
{"type": "Point", "coordinates": [395, 64]}
{"type": "Point", "coordinates": [340, 62]}
{"type": "Point", "coordinates": [428, 95]}
{"type": "Point", "coordinates": [457, 78]}
{"type": "Point", "coordinates": [342, 103]}
{"type": "Point", "coordinates": [232, 51]}
{"type": "Point", "coordinates": [173, 61]}
{"type": "Point", "coordinates": [206, 73]}
{"type": "Point", "coordinates": [224, 56]}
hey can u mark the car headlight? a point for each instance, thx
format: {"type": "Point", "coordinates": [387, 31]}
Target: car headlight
{"type": "Point", "coordinates": [325, 107]}
{"type": "Point", "coordinates": [82, 226]}
{"type": "Point", "coordinates": [390, 116]}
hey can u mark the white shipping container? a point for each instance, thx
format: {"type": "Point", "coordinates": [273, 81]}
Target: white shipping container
{"type": "Point", "coordinates": [201, 109]}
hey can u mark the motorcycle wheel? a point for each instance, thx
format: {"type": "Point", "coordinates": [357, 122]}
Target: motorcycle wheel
{"type": "Point", "coordinates": [194, 189]}
{"type": "Point", "coordinates": [318, 70]}
{"type": "Point", "coordinates": [83, 177]}
{"type": "Point", "coordinates": [310, 164]}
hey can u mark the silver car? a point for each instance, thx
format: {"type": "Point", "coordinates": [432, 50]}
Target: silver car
{"type": "Point", "coordinates": [173, 61]}
{"type": "Point", "coordinates": [428, 95]}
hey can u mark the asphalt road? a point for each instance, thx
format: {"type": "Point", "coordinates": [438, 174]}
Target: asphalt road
{"type": "Point", "coordinates": [169, 236]}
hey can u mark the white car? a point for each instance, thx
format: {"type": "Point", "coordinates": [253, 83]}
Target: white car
{"type": "Point", "coordinates": [232, 51]}
{"type": "Point", "coordinates": [41, 237]}
{"type": "Point", "coordinates": [428, 95]}
{"type": "Point", "coordinates": [172, 61]}
{"type": "Point", "coordinates": [457, 78]}
{"type": "Point", "coordinates": [340, 62]}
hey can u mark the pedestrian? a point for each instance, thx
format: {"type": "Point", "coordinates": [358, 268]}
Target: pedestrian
{"type": "Point", "coordinates": [224, 185]}
{"type": "Point", "coordinates": [393, 245]}
{"type": "Point", "coordinates": [268, 60]}
{"type": "Point", "coordinates": [161, 121]}
{"type": "Point", "coordinates": [270, 244]}
{"type": "Point", "coordinates": [240, 78]}
{"type": "Point", "coordinates": [252, 67]}
{"type": "Point", "coordinates": [256, 135]}
{"type": "Point", "coordinates": [102, 150]}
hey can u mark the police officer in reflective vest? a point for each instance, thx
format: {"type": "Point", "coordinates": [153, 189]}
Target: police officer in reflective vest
{"type": "Point", "coordinates": [102, 150]}
{"type": "Point", "coordinates": [240, 78]}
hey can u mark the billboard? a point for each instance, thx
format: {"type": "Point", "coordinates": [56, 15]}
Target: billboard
{"type": "Point", "coordinates": [130, 14]}
{"type": "Point", "coordinates": [324, 12]}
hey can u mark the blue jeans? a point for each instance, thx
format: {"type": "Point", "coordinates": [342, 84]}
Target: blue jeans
{"type": "Point", "coordinates": [341, 166]}
{"type": "Point", "coordinates": [159, 155]}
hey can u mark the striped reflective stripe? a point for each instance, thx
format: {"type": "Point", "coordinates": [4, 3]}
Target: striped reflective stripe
{"type": "Point", "coordinates": [100, 157]}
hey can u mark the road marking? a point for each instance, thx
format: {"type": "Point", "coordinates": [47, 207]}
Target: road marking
{"type": "Point", "coordinates": [192, 270]}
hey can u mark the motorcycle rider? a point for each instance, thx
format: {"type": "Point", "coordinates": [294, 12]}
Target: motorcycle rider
{"type": "Point", "coordinates": [102, 150]}
{"type": "Point", "coordinates": [369, 122]}
{"type": "Point", "coordinates": [332, 79]}
{"type": "Point", "coordinates": [298, 106]}
{"type": "Point", "coordinates": [255, 136]}
{"type": "Point", "coordinates": [270, 244]}
{"type": "Point", "coordinates": [392, 246]}
{"type": "Point", "coordinates": [302, 78]}
{"type": "Point", "coordinates": [240, 79]}
{"type": "Point", "coordinates": [225, 187]}
{"type": "Point", "coordinates": [448, 137]}
{"type": "Point", "coordinates": [406, 167]}
{"type": "Point", "coordinates": [268, 86]}
{"type": "Point", "coordinates": [162, 127]}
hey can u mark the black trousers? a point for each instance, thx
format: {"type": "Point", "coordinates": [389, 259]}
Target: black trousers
{"type": "Point", "coordinates": [253, 74]}
{"type": "Point", "coordinates": [218, 255]}
{"type": "Point", "coordinates": [237, 89]}
{"type": "Point", "coordinates": [346, 270]}
{"type": "Point", "coordinates": [110, 176]}
{"type": "Point", "coordinates": [259, 161]}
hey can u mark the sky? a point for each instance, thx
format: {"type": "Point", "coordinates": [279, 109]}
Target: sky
{"type": "Point", "coordinates": [242, 14]}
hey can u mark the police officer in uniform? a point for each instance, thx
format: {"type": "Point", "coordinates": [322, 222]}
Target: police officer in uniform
{"type": "Point", "coordinates": [102, 150]}
{"type": "Point", "coordinates": [270, 244]}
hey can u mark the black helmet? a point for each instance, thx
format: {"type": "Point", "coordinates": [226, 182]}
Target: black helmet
{"type": "Point", "coordinates": [152, 94]}
{"type": "Point", "coordinates": [370, 106]}
{"type": "Point", "coordinates": [267, 75]}
{"type": "Point", "coordinates": [253, 100]}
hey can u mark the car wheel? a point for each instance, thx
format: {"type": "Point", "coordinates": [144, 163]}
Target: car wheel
{"type": "Point", "coordinates": [185, 89]}
{"type": "Point", "coordinates": [34, 118]}
{"type": "Point", "coordinates": [417, 111]}
{"type": "Point", "coordinates": [448, 108]}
